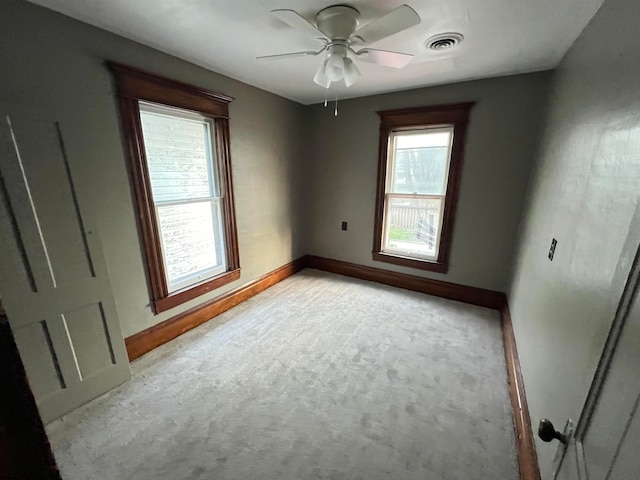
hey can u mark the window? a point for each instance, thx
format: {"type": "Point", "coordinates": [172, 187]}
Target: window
{"type": "Point", "coordinates": [185, 191]}
{"type": "Point", "coordinates": [419, 169]}
{"type": "Point", "coordinates": [178, 146]}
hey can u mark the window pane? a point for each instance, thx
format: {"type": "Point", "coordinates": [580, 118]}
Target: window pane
{"type": "Point", "coordinates": [178, 155]}
{"type": "Point", "coordinates": [421, 162]}
{"type": "Point", "coordinates": [413, 226]}
{"type": "Point", "coordinates": [192, 242]}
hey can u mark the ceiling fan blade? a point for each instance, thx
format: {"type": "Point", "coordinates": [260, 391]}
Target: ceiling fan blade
{"type": "Point", "coordinates": [295, 20]}
{"type": "Point", "coordinates": [395, 21]}
{"type": "Point", "coordinates": [384, 57]}
{"type": "Point", "coordinates": [308, 53]}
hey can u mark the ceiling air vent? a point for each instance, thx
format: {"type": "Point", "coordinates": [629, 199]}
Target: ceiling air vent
{"type": "Point", "coordinates": [444, 41]}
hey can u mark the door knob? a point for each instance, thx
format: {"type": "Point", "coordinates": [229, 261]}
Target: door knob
{"type": "Point", "coordinates": [547, 432]}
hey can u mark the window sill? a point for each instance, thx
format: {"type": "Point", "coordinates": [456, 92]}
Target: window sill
{"type": "Point", "coordinates": [439, 267]}
{"type": "Point", "coordinates": [189, 293]}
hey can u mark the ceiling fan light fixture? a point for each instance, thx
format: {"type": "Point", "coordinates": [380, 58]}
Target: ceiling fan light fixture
{"type": "Point", "coordinates": [351, 72]}
{"type": "Point", "coordinates": [335, 67]}
{"type": "Point", "coordinates": [321, 75]}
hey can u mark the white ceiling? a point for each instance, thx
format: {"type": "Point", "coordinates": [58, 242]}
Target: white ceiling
{"type": "Point", "coordinates": [501, 37]}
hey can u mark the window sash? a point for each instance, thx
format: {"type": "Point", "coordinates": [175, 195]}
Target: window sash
{"type": "Point", "coordinates": [213, 174]}
{"type": "Point", "coordinates": [206, 272]}
{"type": "Point", "coordinates": [387, 246]}
{"type": "Point", "coordinates": [392, 158]}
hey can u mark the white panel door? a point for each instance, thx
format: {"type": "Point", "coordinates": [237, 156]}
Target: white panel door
{"type": "Point", "coordinates": [54, 283]}
{"type": "Point", "coordinates": [607, 441]}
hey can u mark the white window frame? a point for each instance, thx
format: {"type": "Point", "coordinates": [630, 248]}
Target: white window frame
{"type": "Point", "coordinates": [388, 195]}
{"type": "Point", "coordinates": [213, 199]}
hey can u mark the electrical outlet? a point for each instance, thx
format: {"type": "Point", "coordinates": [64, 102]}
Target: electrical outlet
{"type": "Point", "coordinates": [344, 225]}
{"type": "Point", "coordinates": [552, 249]}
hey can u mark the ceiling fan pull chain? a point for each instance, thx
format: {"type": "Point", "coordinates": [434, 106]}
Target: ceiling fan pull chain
{"type": "Point", "coordinates": [335, 112]}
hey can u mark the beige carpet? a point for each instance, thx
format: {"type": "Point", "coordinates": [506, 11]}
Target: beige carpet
{"type": "Point", "coordinates": [321, 376]}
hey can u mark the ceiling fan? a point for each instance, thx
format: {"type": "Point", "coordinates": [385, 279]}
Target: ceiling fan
{"type": "Point", "coordinates": [337, 28]}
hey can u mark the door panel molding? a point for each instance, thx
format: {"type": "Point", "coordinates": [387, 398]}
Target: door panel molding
{"type": "Point", "coordinates": [55, 276]}
{"type": "Point", "coordinates": [17, 187]}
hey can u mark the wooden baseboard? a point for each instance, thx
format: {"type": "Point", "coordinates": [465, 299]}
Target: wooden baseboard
{"type": "Point", "coordinates": [527, 456]}
{"type": "Point", "coordinates": [438, 288]}
{"type": "Point", "coordinates": [146, 340]}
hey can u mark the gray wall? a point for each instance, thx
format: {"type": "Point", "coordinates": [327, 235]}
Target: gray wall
{"type": "Point", "coordinates": [48, 61]}
{"type": "Point", "coordinates": [584, 193]}
{"type": "Point", "coordinates": [501, 140]}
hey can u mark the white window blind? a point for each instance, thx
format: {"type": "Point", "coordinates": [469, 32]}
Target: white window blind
{"type": "Point", "coordinates": [186, 196]}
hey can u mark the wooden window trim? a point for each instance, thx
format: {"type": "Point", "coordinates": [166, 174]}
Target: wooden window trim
{"type": "Point", "coordinates": [134, 85]}
{"type": "Point", "coordinates": [456, 115]}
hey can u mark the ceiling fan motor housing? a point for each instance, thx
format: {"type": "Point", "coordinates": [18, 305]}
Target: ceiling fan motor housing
{"type": "Point", "coordinates": [338, 21]}
{"type": "Point", "coordinates": [337, 49]}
